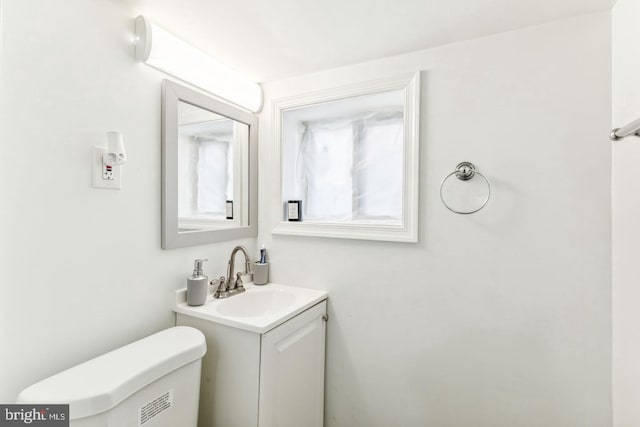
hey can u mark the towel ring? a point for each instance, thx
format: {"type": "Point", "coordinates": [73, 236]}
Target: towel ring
{"type": "Point", "coordinates": [464, 172]}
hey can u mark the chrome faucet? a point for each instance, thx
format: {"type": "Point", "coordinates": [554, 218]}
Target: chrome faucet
{"type": "Point", "coordinates": [232, 285]}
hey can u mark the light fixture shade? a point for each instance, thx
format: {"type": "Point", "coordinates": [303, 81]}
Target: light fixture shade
{"type": "Point", "coordinates": [162, 50]}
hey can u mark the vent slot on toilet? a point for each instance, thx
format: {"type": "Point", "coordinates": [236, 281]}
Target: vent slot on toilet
{"type": "Point", "coordinates": [155, 407]}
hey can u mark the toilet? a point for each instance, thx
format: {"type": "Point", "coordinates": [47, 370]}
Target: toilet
{"type": "Point", "coordinates": [153, 382]}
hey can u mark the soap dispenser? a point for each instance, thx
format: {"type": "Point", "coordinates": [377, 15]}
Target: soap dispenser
{"type": "Point", "coordinates": [197, 285]}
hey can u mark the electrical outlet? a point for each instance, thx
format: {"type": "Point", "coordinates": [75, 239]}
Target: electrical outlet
{"type": "Point", "coordinates": [105, 176]}
{"type": "Point", "coordinates": [107, 172]}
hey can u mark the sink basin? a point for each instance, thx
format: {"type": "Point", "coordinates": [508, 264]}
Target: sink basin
{"type": "Point", "coordinates": [252, 304]}
{"type": "Point", "coordinates": [258, 309]}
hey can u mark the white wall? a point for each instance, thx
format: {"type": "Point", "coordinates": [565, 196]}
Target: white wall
{"type": "Point", "coordinates": [81, 269]}
{"type": "Point", "coordinates": [626, 214]}
{"type": "Point", "coordinates": [502, 318]}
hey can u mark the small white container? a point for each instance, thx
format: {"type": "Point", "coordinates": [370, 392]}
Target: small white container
{"type": "Point", "coordinates": [260, 273]}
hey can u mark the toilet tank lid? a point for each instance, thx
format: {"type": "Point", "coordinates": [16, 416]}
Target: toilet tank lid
{"type": "Point", "coordinates": [100, 384]}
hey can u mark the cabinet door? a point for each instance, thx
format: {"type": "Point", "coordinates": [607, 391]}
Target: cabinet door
{"type": "Point", "coordinates": [292, 372]}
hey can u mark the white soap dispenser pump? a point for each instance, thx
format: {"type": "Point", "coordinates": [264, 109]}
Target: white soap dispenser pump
{"type": "Point", "coordinates": [197, 285]}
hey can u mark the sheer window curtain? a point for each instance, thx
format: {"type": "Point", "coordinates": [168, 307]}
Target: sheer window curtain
{"type": "Point", "coordinates": [352, 169]}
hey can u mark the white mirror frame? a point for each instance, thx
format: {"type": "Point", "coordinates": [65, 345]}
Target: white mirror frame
{"type": "Point", "coordinates": [408, 230]}
{"type": "Point", "coordinates": [172, 94]}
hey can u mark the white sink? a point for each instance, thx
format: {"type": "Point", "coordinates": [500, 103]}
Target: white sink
{"type": "Point", "coordinates": [258, 309]}
{"type": "Point", "coordinates": [257, 303]}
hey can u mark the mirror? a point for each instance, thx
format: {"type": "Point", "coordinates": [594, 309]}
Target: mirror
{"type": "Point", "coordinates": [209, 169]}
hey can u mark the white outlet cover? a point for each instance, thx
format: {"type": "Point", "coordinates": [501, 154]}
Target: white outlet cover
{"type": "Point", "coordinates": [98, 171]}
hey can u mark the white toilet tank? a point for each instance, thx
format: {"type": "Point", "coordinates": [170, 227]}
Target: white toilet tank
{"type": "Point", "coordinates": [153, 382]}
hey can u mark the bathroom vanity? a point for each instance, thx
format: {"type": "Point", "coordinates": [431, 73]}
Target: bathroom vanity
{"type": "Point", "coordinates": [264, 365]}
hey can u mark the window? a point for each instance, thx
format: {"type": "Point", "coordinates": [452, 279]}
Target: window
{"type": "Point", "coordinates": [352, 161]}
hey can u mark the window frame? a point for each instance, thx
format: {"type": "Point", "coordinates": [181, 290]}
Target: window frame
{"type": "Point", "coordinates": [407, 230]}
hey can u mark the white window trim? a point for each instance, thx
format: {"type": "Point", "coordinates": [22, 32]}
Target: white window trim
{"type": "Point", "coordinates": [408, 230]}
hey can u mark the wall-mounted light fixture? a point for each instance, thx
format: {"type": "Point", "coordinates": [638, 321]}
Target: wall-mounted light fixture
{"type": "Point", "coordinates": [160, 49]}
{"type": "Point", "coordinates": [107, 162]}
{"type": "Point", "coordinates": [115, 155]}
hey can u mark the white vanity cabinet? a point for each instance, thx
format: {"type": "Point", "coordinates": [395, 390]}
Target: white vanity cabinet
{"type": "Point", "coordinates": [270, 378]}
{"type": "Point", "coordinates": [292, 372]}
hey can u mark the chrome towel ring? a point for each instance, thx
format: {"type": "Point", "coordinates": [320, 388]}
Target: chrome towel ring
{"type": "Point", "coordinates": [464, 172]}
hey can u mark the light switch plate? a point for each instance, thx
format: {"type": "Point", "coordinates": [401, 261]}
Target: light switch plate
{"type": "Point", "coordinates": [102, 178]}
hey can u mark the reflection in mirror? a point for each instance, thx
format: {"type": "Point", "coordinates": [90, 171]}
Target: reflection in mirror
{"type": "Point", "coordinates": [209, 172]}
{"type": "Point", "coordinates": [212, 166]}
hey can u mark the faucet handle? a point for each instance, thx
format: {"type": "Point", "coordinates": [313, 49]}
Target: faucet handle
{"type": "Point", "coordinates": [239, 281]}
{"type": "Point", "coordinates": [223, 290]}
{"type": "Point", "coordinates": [221, 283]}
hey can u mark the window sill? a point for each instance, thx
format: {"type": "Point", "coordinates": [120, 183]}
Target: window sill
{"type": "Point", "coordinates": [390, 233]}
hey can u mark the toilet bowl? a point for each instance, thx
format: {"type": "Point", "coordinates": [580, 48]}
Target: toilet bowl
{"type": "Point", "coordinates": [153, 382]}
